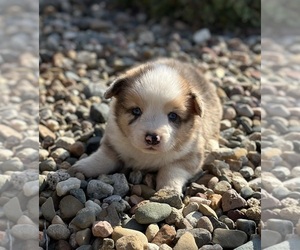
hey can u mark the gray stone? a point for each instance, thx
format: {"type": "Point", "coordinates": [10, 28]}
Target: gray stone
{"type": "Point", "coordinates": [84, 218]}
{"type": "Point", "coordinates": [99, 112]}
{"type": "Point", "coordinates": [58, 232]}
{"type": "Point", "coordinates": [69, 206]}
{"type": "Point", "coordinates": [120, 184]}
{"type": "Point", "coordinates": [93, 206]}
{"type": "Point", "coordinates": [229, 238]}
{"type": "Point", "coordinates": [12, 209]}
{"type": "Point", "coordinates": [247, 226]}
{"type": "Point", "coordinates": [270, 238]}
{"type": "Point", "coordinates": [284, 227]}
{"type": "Point", "coordinates": [152, 212]}
{"type": "Point", "coordinates": [25, 231]}
{"type": "Point", "coordinates": [64, 187]}
{"type": "Point", "coordinates": [112, 198]}
{"type": "Point", "coordinates": [201, 36]}
{"type": "Point", "coordinates": [13, 164]}
{"type": "Point", "coordinates": [48, 210]}
{"type": "Point", "coordinates": [135, 177]}
{"type": "Point", "coordinates": [193, 218]}
{"type": "Point", "coordinates": [78, 194]}
{"type": "Point", "coordinates": [48, 165]}
{"type": "Point", "coordinates": [98, 189]}
{"type": "Point", "coordinates": [253, 244]}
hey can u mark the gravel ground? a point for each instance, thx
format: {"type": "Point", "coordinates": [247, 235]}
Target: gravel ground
{"type": "Point", "coordinates": [84, 47]}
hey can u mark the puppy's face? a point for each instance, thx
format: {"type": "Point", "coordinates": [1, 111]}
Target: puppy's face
{"type": "Point", "coordinates": [155, 108]}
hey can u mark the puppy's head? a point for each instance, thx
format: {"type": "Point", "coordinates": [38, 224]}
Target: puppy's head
{"type": "Point", "coordinates": [155, 108]}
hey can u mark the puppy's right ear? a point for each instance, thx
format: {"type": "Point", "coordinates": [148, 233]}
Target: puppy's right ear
{"type": "Point", "coordinates": [116, 87]}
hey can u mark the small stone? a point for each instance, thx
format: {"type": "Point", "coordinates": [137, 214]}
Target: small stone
{"type": "Point", "coordinates": [193, 218]}
{"type": "Point", "coordinates": [168, 196]}
{"type": "Point", "coordinates": [5, 154]}
{"type": "Point", "coordinates": [129, 242]}
{"type": "Point", "coordinates": [186, 241]}
{"type": "Point", "coordinates": [247, 172]}
{"type": "Point", "coordinates": [246, 192]}
{"type": "Point", "coordinates": [253, 213]}
{"type": "Point", "coordinates": [201, 236]}
{"type": "Point", "coordinates": [152, 246]}
{"type": "Point", "coordinates": [6, 132]}
{"type": "Point", "coordinates": [165, 235]}
{"type": "Point", "coordinates": [231, 200]}
{"type": "Point", "coordinates": [102, 229]}
{"type": "Point", "coordinates": [191, 207]}
{"type": "Point", "coordinates": [229, 113]}
{"type": "Point", "coordinates": [112, 198]}
{"type": "Point", "coordinates": [48, 209]}
{"type": "Point", "coordinates": [69, 206]}
{"type": "Point", "coordinates": [164, 247]}
{"type": "Point", "coordinates": [60, 154]}
{"type": "Point", "coordinates": [79, 194]}
{"type": "Point", "coordinates": [64, 187]}
{"type": "Point", "coordinates": [120, 232]}
{"type": "Point", "coordinates": [221, 187]}
{"type": "Point", "coordinates": [239, 182]}
{"type": "Point", "coordinates": [48, 165]}
{"type": "Point", "coordinates": [201, 36]}
{"type": "Point", "coordinates": [64, 142]}
{"type": "Point", "coordinates": [254, 243]}
{"type": "Point", "coordinates": [120, 184]}
{"type": "Point", "coordinates": [151, 231]}
{"type": "Point", "coordinates": [58, 232]}
{"type": "Point", "coordinates": [206, 210]}
{"type": "Point", "coordinates": [205, 223]}
{"type": "Point", "coordinates": [200, 200]}
{"type": "Point", "coordinates": [270, 238]}
{"type": "Point", "coordinates": [284, 227]}
{"type": "Point", "coordinates": [83, 237]}
{"type": "Point", "coordinates": [99, 112]}
{"type": "Point", "coordinates": [152, 212]}
{"type": "Point", "coordinates": [229, 238]}
{"type": "Point", "coordinates": [290, 213]}
{"type": "Point", "coordinates": [135, 177]}
{"type": "Point", "coordinates": [247, 226]}
{"type": "Point", "coordinates": [84, 218]}
{"type": "Point", "coordinates": [244, 110]}
{"type": "Point", "coordinates": [25, 232]}
{"type": "Point", "coordinates": [13, 164]}
{"type": "Point", "coordinates": [216, 201]}
{"type": "Point", "coordinates": [292, 184]}
{"type": "Point", "coordinates": [12, 209]}
{"type": "Point", "coordinates": [98, 189]}
{"type": "Point", "coordinates": [77, 149]}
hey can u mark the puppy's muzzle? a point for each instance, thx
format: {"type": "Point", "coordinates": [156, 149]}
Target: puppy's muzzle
{"type": "Point", "coordinates": [152, 139]}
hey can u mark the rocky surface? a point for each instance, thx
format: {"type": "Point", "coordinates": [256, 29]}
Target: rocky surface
{"type": "Point", "coordinates": [80, 55]}
{"type": "Point", "coordinates": [82, 49]}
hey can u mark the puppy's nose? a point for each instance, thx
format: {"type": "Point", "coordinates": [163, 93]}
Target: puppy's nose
{"type": "Point", "coordinates": [152, 139]}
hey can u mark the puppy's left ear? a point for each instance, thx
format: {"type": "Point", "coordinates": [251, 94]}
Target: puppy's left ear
{"type": "Point", "coordinates": [198, 104]}
{"type": "Point", "coordinates": [116, 87]}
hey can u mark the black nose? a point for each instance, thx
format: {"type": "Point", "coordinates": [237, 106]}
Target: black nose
{"type": "Point", "coordinates": [152, 139]}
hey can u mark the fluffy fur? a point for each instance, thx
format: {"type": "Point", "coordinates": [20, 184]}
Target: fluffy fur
{"type": "Point", "coordinates": [142, 131]}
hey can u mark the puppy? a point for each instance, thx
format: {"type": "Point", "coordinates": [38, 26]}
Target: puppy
{"type": "Point", "coordinates": [163, 117]}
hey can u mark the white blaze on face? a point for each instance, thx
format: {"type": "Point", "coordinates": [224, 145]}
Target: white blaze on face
{"type": "Point", "coordinates": [156, 87]}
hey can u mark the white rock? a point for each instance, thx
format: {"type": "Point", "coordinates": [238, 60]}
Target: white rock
{"type": "Point", "coordinates": [152, 246]}
{"type": "Point", "coordinates": [64, 187]}
{"type": "Point", "coordinates": [201, 36]}
{"type": "Point", "coordinates": [31, 188]}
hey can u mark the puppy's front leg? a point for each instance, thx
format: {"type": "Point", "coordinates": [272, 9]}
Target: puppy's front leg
{"type": "Point", "coordinates": [172, 177]}
{"type": "Point", "coordinates": [103, 161]}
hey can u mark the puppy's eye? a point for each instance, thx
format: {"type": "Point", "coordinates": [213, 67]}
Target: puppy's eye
{"type": "Point", "coordinates": [136, 111]}
{"type": "Point", "coordinates": [172, 116]}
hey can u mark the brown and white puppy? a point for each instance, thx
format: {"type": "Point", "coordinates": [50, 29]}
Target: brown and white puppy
{"type": "Point", "coordinates": [163, 116]}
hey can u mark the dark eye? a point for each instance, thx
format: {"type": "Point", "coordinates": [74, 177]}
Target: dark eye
{"type": "Point", "coordinates": [136, 111]}
{"type": "Point", "coordinates": [172, 116]}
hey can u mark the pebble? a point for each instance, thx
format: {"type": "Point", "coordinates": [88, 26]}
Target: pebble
{"type": "Point", "coordinates": [25, 232]}
{"type": "Point", "coordinates": [247, 226]}
{"type": "Point", "coordinates": [48, 209]}
{"type": "Point", "coordinates": [129, 242]}
{"type": "Point", "coordinates": [64, 142]}
{"type": "Point", "coordinates": [102, 229]}
{"type": "Point", "coordinates": [13, 164]}
{"type": "Point", "coordinates": [84, 218]}
{"type": "Point", "coordinates": [284, 227]}
{"type": "Point", "coordinates": [231, 200]}
{"type": "Point", "coordinates": [191, 207]}
{"type": "Point", "coordinates": [151, 231]}
{"type": "Point", "coordinates": [206, 210]}
{"type": "Point", "coordinates": [193, 218]}
{"type": "Point", "coordinates": [186, 241]}
{"type": "Point", "coordinates": [48, 165]}
{"type": "Point", "coordinates": [254, 243]}
{"type": "Point", "coordinates": [58, 232]}
{"type": "Point", "coordinates": [120, 232]}
{"type": "Point", "coordinates": [5, 154]}
{"type": "Point", "coordinates": [83, 237]}
{"type": "Point", "coordinates": [99, 112]}
{"type": "Point", "coordinates": [12, 209]}
{"type": "Point", "coordinates": [270, 238]}
{"type": "Point", "coordinates": [98, 189]}
{"type": "Point", "coordinates": [77, 149]}
{"type": "Point", "coordinates": [165, 235]}
{"type": "Point", "coordinates": [152, 212]}
{"type": "Point", "coordinates": [152, 246]}
{"type": "Point", "coordinates": [229, 238]}
{"type": "Point", "coordinates": [244, 110]}
{"type": "Point", "coordinates": [64, 187]}
{"type": "Point", "coordinates": [290, 213]}
{"type": "Point", "coordinates": [201, 36]}
{"type": "Point", "coordinates": [205, 223]}
{"type": "Point", "coordinates": [120, 184]}
{"type": "Point", "coordinates": [78, 194]}
{"type": "Point", "coordinates": [201, 236]}
{"type": "Point", "coordinates": [69, 206]}
{"type": "Point", "coordinates": [221, 187]}
{"type": "Point", "coordinates": [168, 196]}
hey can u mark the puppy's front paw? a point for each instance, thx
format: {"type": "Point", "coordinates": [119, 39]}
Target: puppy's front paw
{"type": "Point", "coordinates": [83, 166]}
